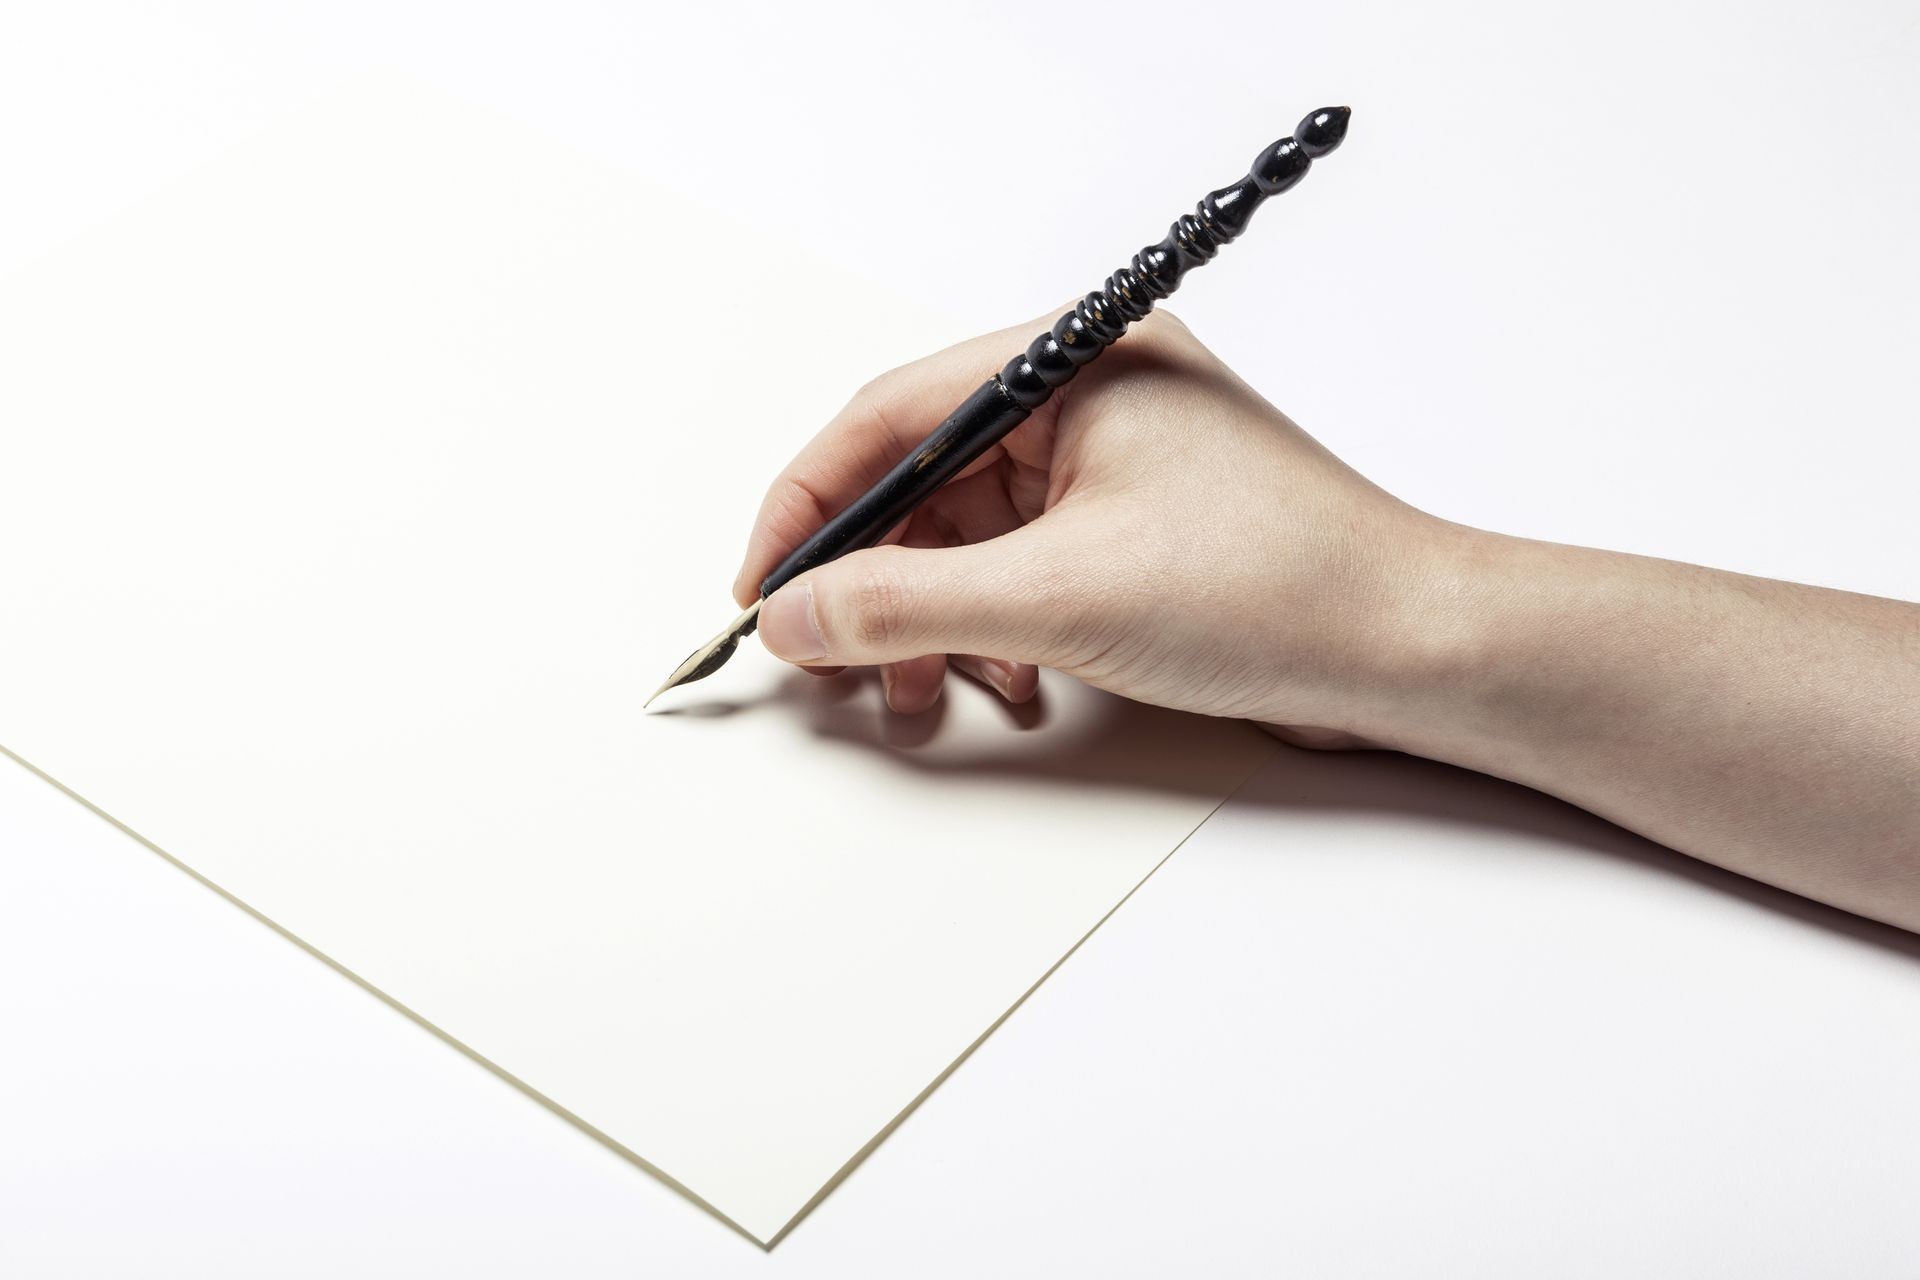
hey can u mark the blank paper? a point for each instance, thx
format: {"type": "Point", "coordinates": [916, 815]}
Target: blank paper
{"type": "Point", "coordinates": [353, 497]}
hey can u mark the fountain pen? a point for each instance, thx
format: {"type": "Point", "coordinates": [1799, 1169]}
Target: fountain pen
{"type": "Point", "coordinates": [1005, 400]}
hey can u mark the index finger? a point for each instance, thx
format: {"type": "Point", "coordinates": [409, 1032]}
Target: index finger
{"type": "Point", "coordinates": [879, 426]}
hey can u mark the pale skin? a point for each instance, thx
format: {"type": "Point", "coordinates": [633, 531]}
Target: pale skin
{"type": "Point", "coordinates": [1159, 530]}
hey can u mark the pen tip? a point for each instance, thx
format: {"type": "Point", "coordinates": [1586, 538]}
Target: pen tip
{"type": "Point", "coordinates": [712, 655]}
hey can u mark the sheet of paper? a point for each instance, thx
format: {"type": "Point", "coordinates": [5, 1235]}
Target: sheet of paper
{"type": "Point", "coordinates": [352, 498]}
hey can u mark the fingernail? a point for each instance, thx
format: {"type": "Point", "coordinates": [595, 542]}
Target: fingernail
{"type": "Point", "coordinates": [788, 628]}
{"type": "Point", "coordinates": [1000, 676]}
{"type": "Point", "coordinates": [888, 679]}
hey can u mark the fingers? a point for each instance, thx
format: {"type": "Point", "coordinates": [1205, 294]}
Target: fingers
{"type": "Point", "coordinates": [894, 604]}
{"type": "Point", "coordinates": [913, 686]}
{"type": "Point", "coordinates": [1014, 681]}
{"type": "Point", "coordinates": [882, 423]}
{"type": "Point", "coordinates": [973, 509]}
{"type": "Point", "coordinates": [878, 427]}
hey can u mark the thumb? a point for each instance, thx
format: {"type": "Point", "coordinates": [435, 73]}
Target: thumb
{"type": "Point", "coordinates": [998, 599]}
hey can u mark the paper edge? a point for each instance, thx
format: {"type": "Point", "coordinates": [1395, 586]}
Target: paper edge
{"type": "Point", "coordinates": [872, 1144]}
{"type": "Point", "coordinates": [607, 1140]}
{"type": "Point", "coordinates": [468, 1051]}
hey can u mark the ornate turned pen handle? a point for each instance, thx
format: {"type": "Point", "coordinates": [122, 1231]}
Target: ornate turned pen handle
{"type": "Point", "coordinates": [1004, 401]}
{"type": "Point", "coordinates": [1156, 271]}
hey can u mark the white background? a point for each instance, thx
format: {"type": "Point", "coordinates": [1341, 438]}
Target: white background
{"type": "Point", "coordinates": [1636, 276]}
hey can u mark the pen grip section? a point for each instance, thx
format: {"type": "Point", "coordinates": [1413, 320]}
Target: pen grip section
{"type": "Point", "coordinates": [982, 419]}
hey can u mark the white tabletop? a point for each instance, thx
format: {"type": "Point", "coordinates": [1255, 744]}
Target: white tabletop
{"type": "Point", "coordinates": [1636, 278]}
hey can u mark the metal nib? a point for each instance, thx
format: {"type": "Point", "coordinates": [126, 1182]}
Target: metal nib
{"type": "Point", "coordinates": [712, 655]}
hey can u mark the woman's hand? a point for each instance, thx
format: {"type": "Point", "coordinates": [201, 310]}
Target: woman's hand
{"type": "Point", "coordinates": [1156, 529]}
{"type": "Point", "coordinates": [1159, 530]}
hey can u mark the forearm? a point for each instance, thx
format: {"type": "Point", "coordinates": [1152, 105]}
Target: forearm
{"type": "Point", "coordinates": [1165, 534]}
{"type": "Point", "coordinates": [1771, 728]}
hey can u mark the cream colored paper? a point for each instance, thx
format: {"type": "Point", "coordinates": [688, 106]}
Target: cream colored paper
{"type": "Point", "coordinates": [352, 499]}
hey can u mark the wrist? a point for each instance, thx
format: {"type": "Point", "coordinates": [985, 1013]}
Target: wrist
{"type": "Point", "coordinates": [1449, 630]}
{"type": "Point", "coordinates": [1507, 656]}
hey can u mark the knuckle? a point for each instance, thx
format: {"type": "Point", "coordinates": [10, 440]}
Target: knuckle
{"type": "Point", "coordinates": [873, 395]}
{"type": "Point", "coordinates": [876, 407]}
{"type": "Point", "coordinates": [878, 606]}
{"type": "Point", "coordinates": [790, 511]}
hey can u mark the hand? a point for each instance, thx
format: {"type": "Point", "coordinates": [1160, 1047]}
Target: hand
{"type": "Point", "coordinates": [1159, 530]}
{"type": "Point", "coordinates": [1156, 529]}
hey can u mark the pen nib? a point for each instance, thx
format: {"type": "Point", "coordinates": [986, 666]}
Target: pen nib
{"type": "Point", "coordinates": [712, 655]}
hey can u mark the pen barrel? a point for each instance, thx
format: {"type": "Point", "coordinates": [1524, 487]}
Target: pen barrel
{"type": "Point", "coordinates": [969, 431]}
{"type": "Point", "coordinates": [1076, 339]}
